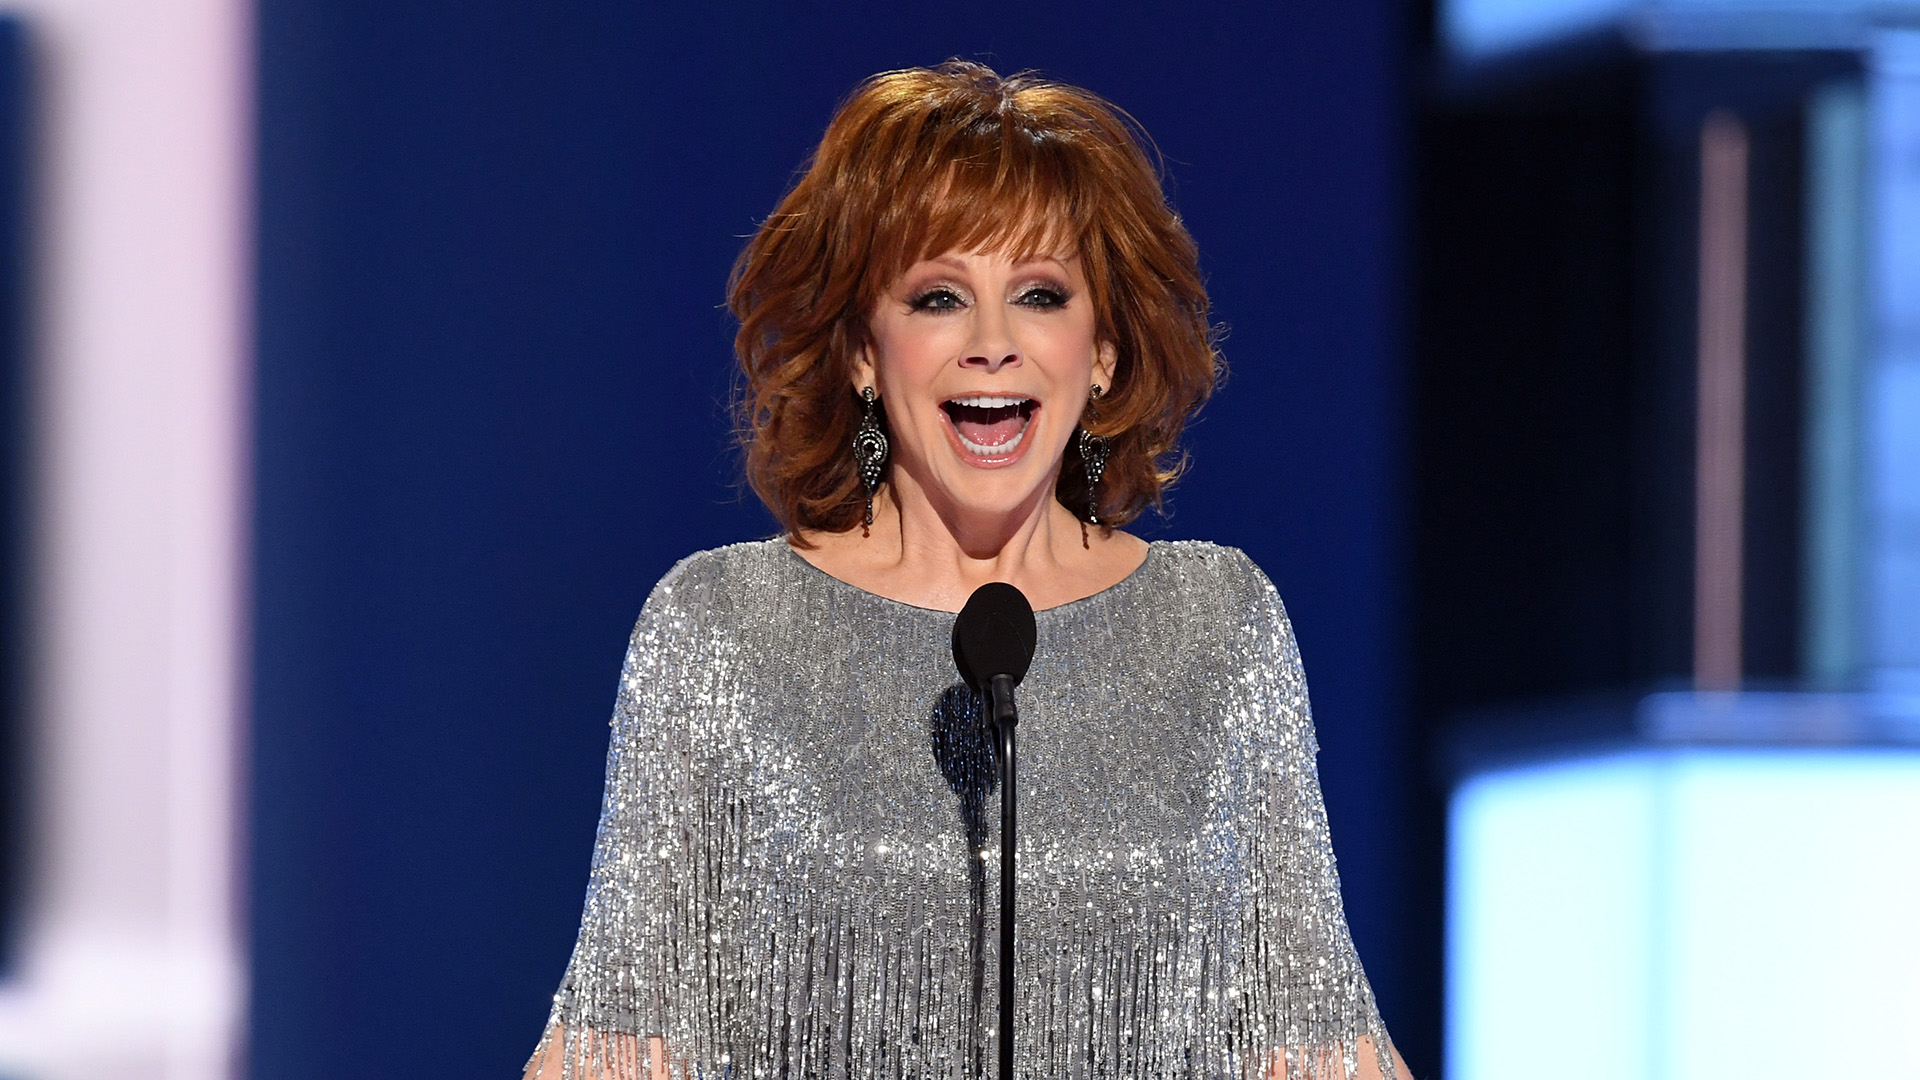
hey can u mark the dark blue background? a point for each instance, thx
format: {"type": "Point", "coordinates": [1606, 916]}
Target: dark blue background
{"type": "Point", "coordinates": [493, 367]}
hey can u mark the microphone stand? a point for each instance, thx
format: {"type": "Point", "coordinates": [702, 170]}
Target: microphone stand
{"type": "Point", "coordinates": [993, 641]}
{"type": "Point", "coordinates": [1005, 718]}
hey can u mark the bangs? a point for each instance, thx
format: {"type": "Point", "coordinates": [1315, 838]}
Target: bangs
{"type": "Point", "coordinates": [990, 188]}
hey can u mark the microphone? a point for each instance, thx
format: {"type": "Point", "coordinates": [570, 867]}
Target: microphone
{"type": "Point", "coordinates": [993, 640]}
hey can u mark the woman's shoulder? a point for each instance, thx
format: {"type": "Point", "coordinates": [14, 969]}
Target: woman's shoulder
{"type": "Point", "coordinates": [714, 581]}
{"type": "Point", "coordinates": [1203, 564]}
{"type": "Point", "coordinates": [729, 564]}
{"type": "Point", "coordinates": [1219, 602]}
{"type": "Point", "coordinates": [1216, 590]}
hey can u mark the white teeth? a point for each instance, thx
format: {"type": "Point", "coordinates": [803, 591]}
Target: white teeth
{"type": "Point", "coordinates": [1001, 450]}
{"type": "Point", "coordinates": [992, 401]}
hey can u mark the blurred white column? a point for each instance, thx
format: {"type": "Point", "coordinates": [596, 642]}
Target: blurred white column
{"type": "Point", "coordinates": [131, 962]}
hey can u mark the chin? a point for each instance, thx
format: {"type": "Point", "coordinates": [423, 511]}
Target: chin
{"type": "Point", "coordinates": [999, 493]}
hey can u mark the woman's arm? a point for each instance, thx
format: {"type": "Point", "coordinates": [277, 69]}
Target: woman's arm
{"type": "Point", "coordinates": [1370, 1071]}
{"type": "Point", "coordinates": [1366, 1068]}
{"type": "Point", "coordinates": [597, 1057]}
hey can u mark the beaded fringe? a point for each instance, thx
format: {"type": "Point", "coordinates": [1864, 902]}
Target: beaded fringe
{"type": "Point", "coordinates": [566, 1054]}
{"type": "Point", "coordinates": [822, 993]}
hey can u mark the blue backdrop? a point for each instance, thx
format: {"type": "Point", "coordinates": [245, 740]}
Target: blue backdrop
{"type": "Point", "coordinates": [493, 365]}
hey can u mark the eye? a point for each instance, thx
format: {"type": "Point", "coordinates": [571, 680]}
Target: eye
{"type": "Point", "coordinates": [938, 298]}
{"type": "Point", "coordinates": [1042, 297]}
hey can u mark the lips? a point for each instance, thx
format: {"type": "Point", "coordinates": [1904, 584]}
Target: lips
{"type": "Point", "coordinates": [990, 426]}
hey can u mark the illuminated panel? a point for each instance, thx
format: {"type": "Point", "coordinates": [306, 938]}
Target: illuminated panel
{"type": "Point", "coordinates": [1481, 28]}
{"type": "Point", "coordinates": [1793, 910]}
{"type": "Point", "coordinates": [1549, 896]}
{"type": "Point", "coordinates": [1668, 914]}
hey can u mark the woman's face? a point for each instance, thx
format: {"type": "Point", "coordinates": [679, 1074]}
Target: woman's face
{"type": "Point", "coordinates": [984, 365]}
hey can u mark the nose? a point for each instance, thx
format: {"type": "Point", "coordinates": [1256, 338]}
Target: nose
{"type": "Point", "coordinates": [992, 347]}
{"type": "Point", "coordinates": [991, 361]}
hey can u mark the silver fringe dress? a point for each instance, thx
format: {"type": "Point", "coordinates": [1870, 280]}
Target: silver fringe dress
{"type": "Point", "coordinates": [796, 874]}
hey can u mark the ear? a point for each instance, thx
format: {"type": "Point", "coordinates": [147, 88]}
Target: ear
{"type": "Point", "coordinates": [1105, 359]}
{"type": "Point", "coordinates": [863, 372]}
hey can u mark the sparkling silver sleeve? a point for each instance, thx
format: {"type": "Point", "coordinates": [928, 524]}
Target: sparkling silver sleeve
{"type": "Point", "coordinates": [611, 996]}
{"type": "Point", "coordinates": [791, 876]}
{"type": "Point", "coordinates": [1312, 997]}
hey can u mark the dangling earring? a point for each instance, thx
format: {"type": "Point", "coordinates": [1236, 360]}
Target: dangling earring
{"type": "Point", "coordinates": [1094, 451]}
{"type": "Point", "coordinates": [869, 453]}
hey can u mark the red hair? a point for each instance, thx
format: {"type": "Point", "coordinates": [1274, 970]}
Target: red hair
{"type": "Point", "coordinates": [925, 161]}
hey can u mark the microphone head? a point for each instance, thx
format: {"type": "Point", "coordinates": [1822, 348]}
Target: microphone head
{"type": "Point", "coordinates": [994, 635]}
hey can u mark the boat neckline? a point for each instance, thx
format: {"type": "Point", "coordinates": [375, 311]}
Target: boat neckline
{"type": "Point", "coordinates": [1153, 553]}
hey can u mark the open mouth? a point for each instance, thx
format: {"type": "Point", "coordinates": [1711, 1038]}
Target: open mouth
{"type": "Point", "coordinates": [990, 426]}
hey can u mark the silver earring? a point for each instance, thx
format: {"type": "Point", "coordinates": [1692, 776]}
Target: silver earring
{"type": "Point", "coordinates": [1094, 451]}
{"type": "Point", "coordinates": [869, 453]}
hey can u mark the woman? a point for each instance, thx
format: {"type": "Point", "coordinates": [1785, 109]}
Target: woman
{"type": "Point", "coordinates": [971, 335]}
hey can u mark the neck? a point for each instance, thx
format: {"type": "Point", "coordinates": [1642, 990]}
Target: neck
{"type": "Point", "coordinates": [954, 551]}
{"type": "Point", "coordinates": [926, 552]}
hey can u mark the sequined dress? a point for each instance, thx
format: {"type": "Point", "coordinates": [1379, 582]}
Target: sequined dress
{"type": "Point", "coordinates": [796, 876]}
